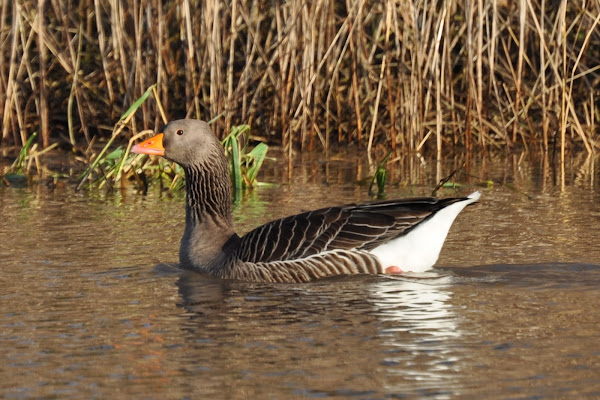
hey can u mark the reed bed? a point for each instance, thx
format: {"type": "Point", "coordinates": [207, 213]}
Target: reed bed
{"type": "Point", "coordinates": [411, 76]}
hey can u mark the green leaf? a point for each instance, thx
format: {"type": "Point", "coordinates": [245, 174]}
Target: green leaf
{"type": "Point", "coordinates": [17, 165]}
{"type": "Point", "coordinates": [136, 104]}
{"type": "Point", "coordinates": [451, 185]}
{"type": "Point", "coordinates": [115, 154]}
{"type": "Point", "coordinates": [257, 155]}
{"type": "Point", "coordinates": [380, 177]}
{"type": "Point", "coordinates": [236, 169]}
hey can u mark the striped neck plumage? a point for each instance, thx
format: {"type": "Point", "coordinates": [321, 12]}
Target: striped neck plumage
{"type": "Point", "coordinates": [208, 195]}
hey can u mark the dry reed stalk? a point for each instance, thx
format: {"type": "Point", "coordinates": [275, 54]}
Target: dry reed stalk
{"type": "Point", "coordinates": [74, 91]}
{"type": "Point", "coordinates": [519, 75]}
{"type": "Point", "coordinates": [439, 74]}
{"type": "Point", "coordinates": [213, 24]}
{"type": "Point", "coordinates": [541, 34]}
{"type": "Point", "coordinates": [283, 56]}
{"type": "Point", "coordinates": [230, 63]}
{"type": "Point", "coordinates": [137, 70]}
{"type": "Point", "coordinates": [191, 100]}
{"type": "Point", "coordinates": [390, 86]}
{"type": "Point", "coordinates": [353, 40]}
{"type": "Point", "coordinates": [43, 83]}
{"type": "Point", "coordinates": [74, 60]}
{"type": "Point", "coordinates": [117, 24]}
{"type": "Point", "coordinates": [158, 39]}
{"type": "Point", "coordinates": [339, 57]}
{"type": "Point", "coordinates": [469, 17]}
{"type": "Point", "coordinates": [447, 78]}
{"type": "Point", "coordinates": [592, 120]}
{"type": "Point", "coordinates": [579, 129]}
{"type": "Point", "coordinates": [25, 65]}
{"type": "Point", "coordinates": [546, 92]}
{"type": "Point", "coordinates": [376, 106]}
{"type": "Point", "coordinates": [562, 43]}
{"type": "Point", "coordinates": [8, 123]}
{"type": "Point", "coordinates": [324, 35]}
{"type": "Point", "coordinates": [413, 93]}
{"type": "Point", "coordinates": [103, 51]}
{"type": "Point", "coordinates": [295, 72]}
{"type": "Point", "coordinates": [250, 53]}
{"type": "Point", "coordinates": [306, 73]}
{"type": "Point", "coordinates": [479, 65]}
{"type": "Point", "coordinates": [4, 41]}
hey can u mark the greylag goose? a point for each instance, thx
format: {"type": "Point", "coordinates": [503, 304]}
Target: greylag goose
{"type": "Point", "coordinates": [390, 236]}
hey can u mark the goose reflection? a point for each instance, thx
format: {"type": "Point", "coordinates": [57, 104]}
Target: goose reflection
{"type": "Point", "coordinates": [372, 333]}
{"type": "Point", "coordinates": [418, 304]}
{"type": "Point", "coordinates": [420, 332]}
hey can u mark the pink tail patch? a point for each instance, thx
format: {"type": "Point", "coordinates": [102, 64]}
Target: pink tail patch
{"type": "Point", "coordinates": [393, 270]}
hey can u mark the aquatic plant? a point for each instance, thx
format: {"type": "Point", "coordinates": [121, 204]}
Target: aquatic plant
{"type": "Point", "coordinates": [109, 167]}
{"type": "Point", "coordinates": [379, 178]}
{"type": "Point", "coordinates": [15, 174]}
{"type": "Point", "coordinates": [244, 164]}
{"type": "Point", "coordinates": [18, 164]}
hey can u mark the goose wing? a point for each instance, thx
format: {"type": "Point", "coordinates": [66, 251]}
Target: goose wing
{"type": "Point", "coordinates": [349, 227]}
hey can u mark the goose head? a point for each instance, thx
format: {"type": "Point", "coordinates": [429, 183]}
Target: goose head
{"type": "Point", "coordinates": [188, 142]}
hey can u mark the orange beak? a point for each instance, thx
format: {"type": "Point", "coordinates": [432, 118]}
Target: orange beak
{"type": "Point", "coordinates": [154, 146]}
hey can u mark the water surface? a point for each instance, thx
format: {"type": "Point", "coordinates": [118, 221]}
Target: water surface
{"type": "Point", "coordinates": [91, 305]}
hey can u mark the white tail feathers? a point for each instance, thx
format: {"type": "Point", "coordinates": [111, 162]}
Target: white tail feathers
{"type": "Point", "coordinates": [419, 249]}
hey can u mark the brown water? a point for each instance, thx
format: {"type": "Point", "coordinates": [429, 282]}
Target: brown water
{"type": "Point", "coordinates": [89, 306]}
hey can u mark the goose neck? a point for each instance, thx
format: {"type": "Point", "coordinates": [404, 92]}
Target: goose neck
{"type": "Point", "coordinates": [208, 196]}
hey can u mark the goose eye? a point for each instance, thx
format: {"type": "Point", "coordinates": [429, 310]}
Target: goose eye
{"type": "Point", "coordinates": [179, 132]}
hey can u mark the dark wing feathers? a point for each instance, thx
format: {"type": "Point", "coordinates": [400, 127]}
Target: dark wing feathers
{"type": "Point", "coordinates": [348, 227]}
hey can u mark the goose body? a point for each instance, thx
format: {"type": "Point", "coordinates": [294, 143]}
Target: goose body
{"type": "Point", "coordinates": [388, 236]}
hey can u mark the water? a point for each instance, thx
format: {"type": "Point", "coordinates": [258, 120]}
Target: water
{"type": "Point", "coordinates": [91, 305]}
